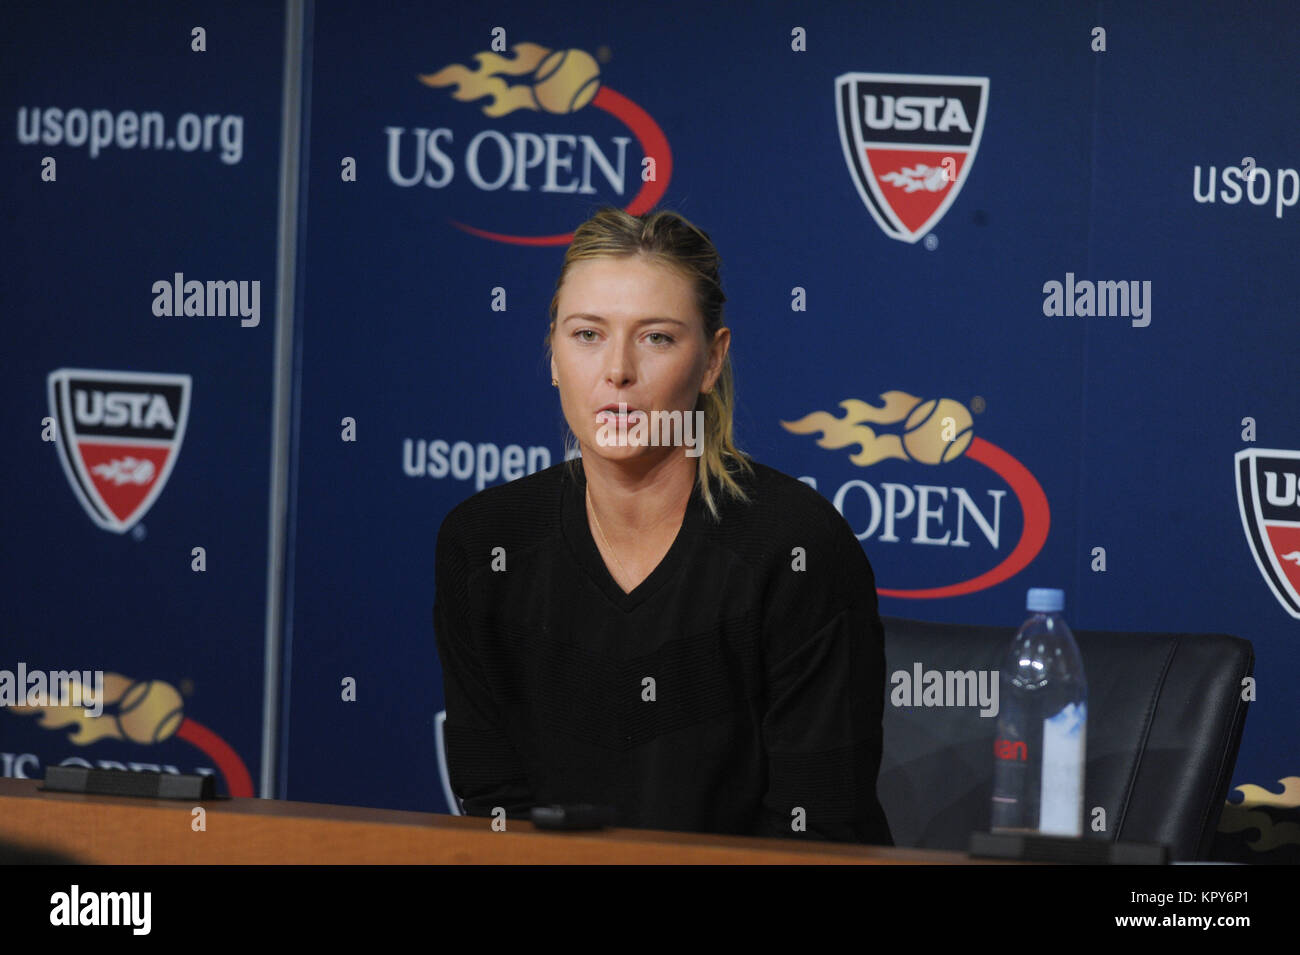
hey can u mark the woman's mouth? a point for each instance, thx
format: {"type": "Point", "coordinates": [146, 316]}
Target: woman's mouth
{"type": "Point", "coordinates": [613, 416]}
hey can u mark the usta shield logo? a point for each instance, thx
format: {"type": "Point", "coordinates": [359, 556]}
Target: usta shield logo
{"type": "Point", "coordinates": [909, 142]}
{"type": "Point", "coordinates": [1268, 499]}
{"type": "Point", "coordinates": [119, 436]}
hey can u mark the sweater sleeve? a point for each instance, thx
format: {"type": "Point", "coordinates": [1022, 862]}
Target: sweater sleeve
{"type": "Point", "coordinates": [484, 768]}
{"type": "Point", "coordinates": [824, 706]}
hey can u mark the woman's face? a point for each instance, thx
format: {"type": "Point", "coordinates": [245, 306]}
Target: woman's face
{"type": "Point", "coordinates": [627, 330]}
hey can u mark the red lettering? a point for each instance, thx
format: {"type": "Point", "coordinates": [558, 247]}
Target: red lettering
{"type": "Point", "coordinates": [1006, 749]}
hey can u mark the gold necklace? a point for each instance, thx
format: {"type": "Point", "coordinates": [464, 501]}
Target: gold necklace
{"type": "Point", "coordinates": [603, 537]}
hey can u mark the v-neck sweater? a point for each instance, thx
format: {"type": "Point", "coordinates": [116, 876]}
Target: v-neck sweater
{"type": "Point", "coordinates": [738, 689]}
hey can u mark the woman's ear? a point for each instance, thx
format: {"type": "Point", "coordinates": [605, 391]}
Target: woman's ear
{"type": "Point", "coordinates": [717, 356]}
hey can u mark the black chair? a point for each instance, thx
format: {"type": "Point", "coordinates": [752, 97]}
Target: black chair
{"type": "Point", "coordinates": [1165, 718]}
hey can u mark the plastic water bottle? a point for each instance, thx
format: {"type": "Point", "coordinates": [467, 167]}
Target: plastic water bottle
{"type": "Point", "coordinates": [1041, 740]}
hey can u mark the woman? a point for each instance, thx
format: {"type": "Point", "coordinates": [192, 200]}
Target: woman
{"type": "Point", "coordinates": [671, 629]}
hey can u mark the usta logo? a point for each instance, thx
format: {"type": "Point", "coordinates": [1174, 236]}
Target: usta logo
{"type": "Point", "coordinates": [908, 113]}
{"type": "Point", "coordinates": [117, 408]}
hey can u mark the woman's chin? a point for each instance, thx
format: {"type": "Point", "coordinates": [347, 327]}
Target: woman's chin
{"type": "Point", "coordinates": [612, 450]}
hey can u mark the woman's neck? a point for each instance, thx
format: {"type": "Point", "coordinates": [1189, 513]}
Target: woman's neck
{"type": "Point", "coordinates": [634, 503]}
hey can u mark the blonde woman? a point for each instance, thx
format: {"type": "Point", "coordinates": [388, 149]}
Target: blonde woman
{"type": "Point", "coordinates": [662, 625]}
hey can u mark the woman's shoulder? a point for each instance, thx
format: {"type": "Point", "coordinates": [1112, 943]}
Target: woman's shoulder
{"type": "Point", "coordinates": [518, 509]}
{"type": "Point", "coordinates": [784, 511]}
{"type": "Point", "coordinates": [778, 498]}
{"type": "Point", "coordinates": [802, 550]}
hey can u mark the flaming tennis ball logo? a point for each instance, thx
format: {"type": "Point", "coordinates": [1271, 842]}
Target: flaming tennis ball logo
{"type": "Point", "coordinates": [143, 711]}
{"type": "Point", "coordinates": [534, 77]}
{"type": "Point", "coordinates": [566, 81]}
{"type": "Point", "coordinates": [150, 711]}
{"type": "Point", "coordinates": [936, 431]}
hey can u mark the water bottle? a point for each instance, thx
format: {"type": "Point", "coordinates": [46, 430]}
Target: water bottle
{"type": "Point", "coordinates": [1039, 749]}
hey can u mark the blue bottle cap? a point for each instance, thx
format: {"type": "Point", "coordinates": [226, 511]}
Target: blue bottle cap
{"type": "Point", "coordinates": [1045, 600]}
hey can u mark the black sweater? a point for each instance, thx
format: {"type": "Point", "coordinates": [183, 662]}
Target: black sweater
{"type": "Point", "coordinates": [738, 689]}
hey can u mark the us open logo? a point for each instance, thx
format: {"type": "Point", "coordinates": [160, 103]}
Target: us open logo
{"type": "Point", "coordinates": [568, 90]}
{"type": "Point", "coordinates": [909, 142]}
{"type": "Point", "coordinates": [119, 436]}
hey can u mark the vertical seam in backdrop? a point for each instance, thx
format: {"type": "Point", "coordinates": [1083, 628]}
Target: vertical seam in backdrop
{"type": "Point", "coordinates": [285, 272]}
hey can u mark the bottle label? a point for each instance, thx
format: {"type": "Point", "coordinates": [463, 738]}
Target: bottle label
{"type": "Point", "coordinates": [1064, 749]}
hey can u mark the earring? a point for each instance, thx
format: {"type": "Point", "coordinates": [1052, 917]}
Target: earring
{"type": "Point", "coordinates": [555, 382]}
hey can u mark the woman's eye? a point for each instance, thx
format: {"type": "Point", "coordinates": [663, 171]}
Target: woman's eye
{"type": "Point", "coordinates": [664, 337]}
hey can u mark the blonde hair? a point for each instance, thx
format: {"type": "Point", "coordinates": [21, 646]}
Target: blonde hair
{"type": "Point", "coordinates": [670, 239]}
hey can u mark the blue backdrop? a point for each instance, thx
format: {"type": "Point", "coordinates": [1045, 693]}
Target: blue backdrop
{"type": "Point", "coordinates": [439, 176]}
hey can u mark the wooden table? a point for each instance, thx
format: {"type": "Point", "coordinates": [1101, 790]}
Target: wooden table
{"type": "Point", "coordinates": [123, 830]}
